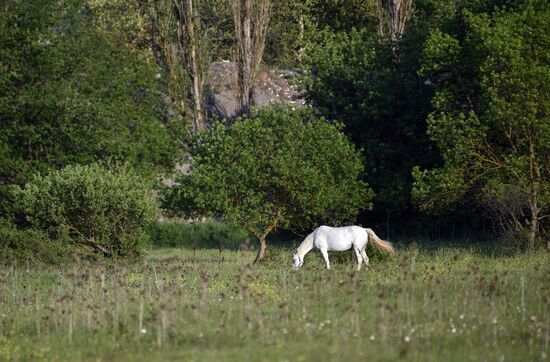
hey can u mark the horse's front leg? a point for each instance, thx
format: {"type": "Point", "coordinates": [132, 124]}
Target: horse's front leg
{"type": "Point", "coordinates": [325, 256]}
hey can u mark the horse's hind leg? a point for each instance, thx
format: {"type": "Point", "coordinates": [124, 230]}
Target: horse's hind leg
{"type": "Point", "coordinates": [359, 258]}
{"type": "Point", "coordinates": [325, 256]}
{"type": "Point", "coordinates": [365, 257]}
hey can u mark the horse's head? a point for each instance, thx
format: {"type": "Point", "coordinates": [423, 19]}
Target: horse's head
{"type": "Point", "coordinates": [297, 261]}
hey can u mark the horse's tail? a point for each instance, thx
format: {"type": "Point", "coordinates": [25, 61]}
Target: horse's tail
{"type": "Point", "coordinates": [382, 245]}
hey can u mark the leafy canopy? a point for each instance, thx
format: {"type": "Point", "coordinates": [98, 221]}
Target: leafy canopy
{"type": "Point", "coordinates": [381, 102]}
{"type": "Point", "coordinates": [491, 112]}
{"type": "Point", "coordinates": [72, 92]}
{"type": "Point", "coordinates": [280, 167]}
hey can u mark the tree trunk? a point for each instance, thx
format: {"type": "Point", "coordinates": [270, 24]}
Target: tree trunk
{"type": "Point", "coordinates": [261, 250]}
{"type": "Point", "coordinates": [533, 197]}
{"type": "Point", "coordinates": [198, 122]}
{"type": "Point", "coordinates": [301, 37]}
{"type": "Point", "coordinates": [533, 222]}
{"type": "Point", "coordinates": [533, 228]}
{"type": "Point", "coordinates": [248, 70]}
{"type": "Point", "coordinates": [392, 19]}
{"type": "Point", "coordinates": [192, 51]}
{"type": "Point", "coordinates": [263, 235]}
{"type": "Point", "coordinates": [250, 18]}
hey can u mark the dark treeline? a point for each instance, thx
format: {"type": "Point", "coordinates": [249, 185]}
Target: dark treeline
{"type": "Point", "coordinates": [447, 101]}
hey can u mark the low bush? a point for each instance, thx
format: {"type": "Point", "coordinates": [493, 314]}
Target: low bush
{"type": "Point", "coordinates": [22, 245]}
{"type": "Point", "coordinates": [197, 235]}
{"type": "Point", "coordinates": [103, 208]}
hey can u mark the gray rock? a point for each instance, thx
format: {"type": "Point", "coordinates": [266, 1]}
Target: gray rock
{"type": "Point", "coordinates": [272, 86]}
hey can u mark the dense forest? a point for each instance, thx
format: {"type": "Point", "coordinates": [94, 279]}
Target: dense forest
{"type": "Point", "coordinates": [421, 118]}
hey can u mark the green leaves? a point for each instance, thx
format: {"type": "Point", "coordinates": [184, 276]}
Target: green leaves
{"type": "Point", "coordinates": [279, 167]}
{"type": "Point", "coordinates": [493, 130]}
{"type": "Point", "coordinates": [382, 103]}
{"type": "Point", "coordinates": [439, 54]}
{"type": "Point", "coordinates": [106, 208]}
{"type": "Point", "coordinates": [73, 92]}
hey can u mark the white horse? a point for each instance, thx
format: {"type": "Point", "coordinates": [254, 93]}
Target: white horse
{"type": "Point", "coordinates": [327, 238]}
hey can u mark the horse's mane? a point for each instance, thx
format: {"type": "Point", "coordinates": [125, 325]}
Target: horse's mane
{"type": "Point", "coordinates": [306, 245]}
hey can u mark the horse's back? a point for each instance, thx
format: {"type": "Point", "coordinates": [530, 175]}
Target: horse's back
{"type": "Point", "coordinates": [341, 230]}
{"type": "Point", "coordinates": [339, 238]}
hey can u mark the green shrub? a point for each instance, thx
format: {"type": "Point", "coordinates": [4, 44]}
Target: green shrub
{"type": "Point", "coordinates": [29, 244]}
{"type": "Point", "coordinates": [104, 208]}
{"type": "Point", "coordinates": [198, 235]}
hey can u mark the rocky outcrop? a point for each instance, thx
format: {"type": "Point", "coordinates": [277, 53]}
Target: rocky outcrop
{"type": "Point", "coordinates": [272, 86]}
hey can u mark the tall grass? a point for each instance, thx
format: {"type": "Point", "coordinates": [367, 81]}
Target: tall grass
{"type": "Point", "coordinates": [422, 305]}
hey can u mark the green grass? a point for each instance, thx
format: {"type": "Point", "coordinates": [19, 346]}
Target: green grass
{"type": "Point", "coordinates": [196, 235]}
{"type": "Point", "coordinates": [451, 303]}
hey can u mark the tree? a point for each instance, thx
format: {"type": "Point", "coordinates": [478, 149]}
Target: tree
{"type": "Point", "coordinates": [338, 15]}
{"type": "Point", "coordinates": [251, 18]}
{"type": "Point", "coordinates": [278, 168]}
{"type": "Point", "coordinates": [181, 48]}
{"type": "Point", "coordinates": [383, 105]}
{"type": "Point", "coordinates": [392, 19]}
{"type": "Point", "coordinates": [73, 93]}
{"type": "Point", "coordinates": [196, 59]}
{"type": "Point", "coordinates": [285, 34]}
{"type": "Point", "coordinates": [491, 114]}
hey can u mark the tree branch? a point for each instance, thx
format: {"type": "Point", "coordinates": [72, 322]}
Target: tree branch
{"type": "Point", "coordinates": [91, 240]}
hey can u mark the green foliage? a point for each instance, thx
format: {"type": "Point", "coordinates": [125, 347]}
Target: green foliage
{"type": "Point", "coordinates": [279, 167]}
{"type": "Point", "coordinates": [461, 95]}
{"type": "Point", "coordinates": [339, 15]}
{"type": "Point", "coordinates": [440, 52]}
{"type": "Point", "coordinates": [30, 245]}
{"type": "Point", "coordinates": [196, 235]}
{"type": "Point", "coordinates": [127, 20]}
{"type": "Point", "coordinates": [103, 208]}
{"type": "Point", "coordinates": [217, 22]}
{"type": "Point", "coordinates": [73, 92]}
{"type": "Point", "coordinates": [491, 112]}
{"type": "Point", "coordinates": [285, 34]}
{"type": "Point", "coordinates": [381, 102]}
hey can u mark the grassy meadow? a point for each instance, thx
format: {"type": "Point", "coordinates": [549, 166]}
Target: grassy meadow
{"type": "Point", "coordinates": [424, 304]}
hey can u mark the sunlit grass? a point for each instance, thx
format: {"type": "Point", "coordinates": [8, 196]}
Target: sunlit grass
{"type": "Point", "coordinates": [424, 305]}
